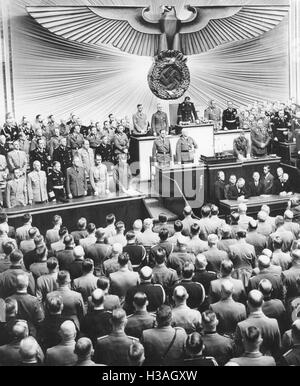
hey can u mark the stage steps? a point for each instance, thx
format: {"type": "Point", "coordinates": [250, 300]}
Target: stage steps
{"type": "Point", "coordinates": [155, 207]}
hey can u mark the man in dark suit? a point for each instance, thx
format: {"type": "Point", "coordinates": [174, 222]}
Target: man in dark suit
{"type": "Point", "coordinates": [99, 251]}
{"type": "Point", "coordinates": [219, 187]}
{"type": "Point", "coordinates": [112, 349]}
{"type": "Point", "coordinates": [291, 276]}
{"type": "Point", "coordinates": [76, 183]}
{"type": "Point", "coordinates": [255, 186]}
{"type": "Point", "coordinates": [238, 191]}
{"type": "Point", "coordinates": [268, 327]}
{"type": "Point", "coordinates": [186, 111]}
{"type": "Point", "coordinates": [268, 180]}
{"type": "Point", "coordinates": [230, 119]}
{"type": "Point", "coordinates": [228, 312]}
{"type": "Point", "coordinates": [66, 257]}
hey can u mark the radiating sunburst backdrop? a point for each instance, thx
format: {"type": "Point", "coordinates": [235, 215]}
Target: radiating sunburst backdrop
{"type": "Point", "coordinates": [54, 75]}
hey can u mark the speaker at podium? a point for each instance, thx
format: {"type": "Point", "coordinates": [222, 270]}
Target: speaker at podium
{"type": "Point", "coordinates": [173, 109]}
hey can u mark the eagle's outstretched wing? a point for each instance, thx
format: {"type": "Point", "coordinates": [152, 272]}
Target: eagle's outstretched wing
{"type": "Point", "coordinates": [128, 28]}
{"type": "Point", "coordinates": [213, 26]}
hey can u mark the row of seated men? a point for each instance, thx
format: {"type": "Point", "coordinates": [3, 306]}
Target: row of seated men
{"type": "Point", "coordinates": [196, 292]}
{"type": "Point", "coordinates": [265, 184]}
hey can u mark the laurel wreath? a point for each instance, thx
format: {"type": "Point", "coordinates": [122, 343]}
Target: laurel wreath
{"type": "Point", "coordinates": [161, 62]}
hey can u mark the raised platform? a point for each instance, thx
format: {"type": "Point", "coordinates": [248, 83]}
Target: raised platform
{"type": "Point", "coordinates": [127, 208]}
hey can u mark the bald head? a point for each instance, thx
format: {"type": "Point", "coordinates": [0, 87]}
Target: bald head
{"type": "Point", "coordinates": [180, 295]}
{"type": "Point", "coordinates": [265, 287]}
{"type": "Point", "coordinates": [212, 240]}
{"type": "Point", "coordinates": [83, 348]}
{"type": "Point", "coordinates": [200, 262]}
{"type": "Point", "coordinates": [226, 289]}
{"type": "Point", "coordinates": [20, 330]}
{"type": "Point", "coordinates": [29, 350]}
{"type": "Point", "coordinates": [264, 262]}
{"type": "Point", "coordinates": [98, 297]}
{"type": "Point", "coordinates": [255, 299]}
{"type": "Point", "coordinates": [187, 211]}
{"type": "Point", "coordinates": [78, 252]}
{"type": "Point", "coordinates": [22, 282]}
{"type": "Point", "coordinates": [67, 331]}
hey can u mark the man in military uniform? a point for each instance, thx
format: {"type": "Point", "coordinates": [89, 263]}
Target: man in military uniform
{"type": "Point", "coordinates": [37, 185]}
{"type": "Point", "coordinates": [260, 140]}
{"type": "Point", "coordinates": [99, 178]}
{"type": "Point", "coordinates": [76, 184]}
{"type": "Point", "coordinates": [16, 190]}
{"type": "Point", "coordinates": [113, 349]}
{"type": "Point", "coordinates": [63, 155]}
{"type": "Point", "coordinates": [213, 113]}
{"type": "Point", "coordinates": [185, 148]}
{"type": "Point", "coordinates": [40, 154]}
{"type": "Point", "coordinates": [230, 119]}
{"type": "Point", "coordinates": [159, 121]}
{"type": "Point", "coordinates": [241, 146]}
{"type": "Point", "coordinates": [17, 159]}
{"type": "Point", "coordinates": [281, 125]}
{"type": "Point", "coordinates": [292, 357]}
{"type": "Point", "coordinates": [140, 122]}
{"type": "Point", "coordinates": [75, 140]}
{"type": "Point", "coordinates": [56, 182]}
{"type": "Point", "coordinates": [161, 151]}
{"type": "Point", "coordinates": [186, 111]}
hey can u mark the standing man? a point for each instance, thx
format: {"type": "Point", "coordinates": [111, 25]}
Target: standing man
{"type": "Point", "coordinates": [159, 121]}
{"type": "Point", "coordinates": [161, 151]}
{"type": "Point", "coordinates": [40, 154]}
{"type": "Point", "coordinates": [122, 175]}
{"type": "Point", "coordinates": [86, 155]}
{"type": "Point", "coordinates": [17, 159]}
{"type": "Point", "coordinates": [37, 185]}
{"type": "Point", "coordinates": [260, 139]}
{"type": "Point", "coordinates": [76, 180]}
{"type": "Point", "coordinates": [187, 112]}
{"type": "Point", "coordinates": [99, 178]}
{"type": "Point", "coordinates": [76, 139]}
{"type": "Point", "coordinates": [185, 148]}
{"type": "Point", "coordinates": [230, 119]}
{"type": "Point", "coordinates": [56, 183]}
{"type": "Point", "coordinates": [268, 180]}
{"type": "Point", "coordinates": [140, 122]}
{"type": "Point", "coordinates": [213, 113]}
{"type": "Point", "coordinates": [219, 187]}
{"type": "Point", "coordinates": [63, 155]}
{"type": "Point", "coordinates": [16, 190]}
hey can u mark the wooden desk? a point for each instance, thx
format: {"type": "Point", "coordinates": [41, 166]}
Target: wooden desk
{"type": "Point", "coordinates": [240, 169]}
{"type": "Point", "coordinates": [277, 205]}
{"type": "Point", "coordinates": [287, 151]}
{"type": "Point", "coordinates": [172, 183]}
{"type": "Point", "coordinates": [141, 147]}
{"type": "Point", "coordinates": [224, 139]}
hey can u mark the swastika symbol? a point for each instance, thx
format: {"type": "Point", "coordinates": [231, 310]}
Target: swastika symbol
{"type": "Point", "coordinates": [170, 77]}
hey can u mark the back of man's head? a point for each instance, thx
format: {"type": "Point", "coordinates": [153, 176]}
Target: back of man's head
{"type": "Point", "coordinates": [241, 234]}
{"type": "Point", "coordinates": [91, 228]}
{"type": "Point", "coordinates": [226, 268]}
{"type": "Point", "coordinates": [148, 223]}
{"type": "Point", "coordinates": [8, 247]}
{"type": "Point", "coordinates": [160, 255]}
{"type": "Point", "coordinates": [52, 264]}
{"type": "Point", "coordinates": [188, 270]}
{"type": "Point", "coordinates": [103, 283]}
{"type": "Point", "coordinates": [255, 299]}
{"type": "Point", "coordinates": [27, 218]}
{"type": "Point", "coordinates": [81, 223]}
{"type": "Point", "coordinates": [163, 234]}
{"type": "Point", "coordinates": [22, 282]}
{"type": "Point", "coordinates": [162, 218]}
{"type": "Point", "coordinates": [277, 242]}
{"type": "Point", "coordinates": [123, 259]}
{"type": "Point", "coordinates": [63, 278]}
{"type": "Point", "coordinates": [146, 274]}
{"type": "Point", "coordinates": [56, 219]}
{"type": "Point", "coordinates": [279, 221]}
{"type": "Point", "coordinates": [83, 348]}
{"type": "Point", "coordinates": [180, 294]}
{"type": "Point", "coordinates": [205, 211]}
{"type": "Point", "coordinates": [195, 229]}
{"type": "Point", "coordinates": [78, 252]}
{"type": "Point", "coordinates": [265, 287]}
{"type": "Point", "coordinates": [164, 316]}
{"type": "Point", "coordinates": [63, 231]}
{"type": "Point", "coordinates": [130, 237]}
{"type": "Point", "coordinates": [32, 232]}
{"type": "Point", "coordinates": [264, 262]}
{"type": "Point", "coordinates": [118, 318]}
{"type": "Point", "coordinates": [100, 233]}
{"type": "Point", "coordinates": [137, 225]}
{"type": "Point", "coordinates": [140, 300]}
{"type": "Point", "coordinates": [187, 211]}
{"type": "Point", "coordinates": [98, 297]}
{"type": "Point", "coordinates": [29, 350]}
{"type": "Point", "coordinates": [226, 289]}
{"type": "Point", "coordinates": [209, 320]}
{"type": "Point", "coordinates": [69, 241]}
{"type": "Point", "coordinates": [67, 330]}
{"type": "Point", "coordinates": [214, 210]}
{"type": "Point", "coordinates": [252, 336]}
{"type": "Point", "coordinates": [19, 330]}
{"type": "Point", "coordinates": [266, 209]}
{"type": "Point", "coordinates": [234, 217]}
{"type": "Point", "coordinates": [136, 354]}
{"type": "Point", "coordinates": [288, 215]}
{"type": "Point", "coordinates": [178, 226]}
{"type": "Point", "coordinates": [200, 262]}
{"type": "Point", "coordinates": [87, 266]}
{"type": "Point", "coordinates": [110, 219]}
{"type": "Point", "coordinates": [11, 308]}
{"type": "Point", "coordinates": [242, 208]}
{"type": "Point", "coordinates": [212, 240]}
{"type": "Point", "coordinates": [54, 304]}
{"type": "Point", "coordinates": [16, 257]}
{"type": "Point", "coordinates": [194, 344]}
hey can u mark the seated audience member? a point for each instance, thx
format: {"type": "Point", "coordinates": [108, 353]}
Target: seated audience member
{"type": "Point", "coordinates": [252, 356]}
{"type": "Point", "coordinates": [238, 191]}
{"type": "Point", "coordinates": [194, 352]}
{"type": "Point", "coordinates": [8, 278]}
{"type": "Point", "coordinates": [230, 186]}
{"type": "Point", "coordinates": [63, 353]}
{"type": "Point", "coordinates": [47, 282]}
{"type": "Point", "coordinates": [87, 282]}
{"type": "Point", "coordinates": [219, 188]}
{"type": "Point", "coordinates": [239, 294]}
{"type": "Point", "coordinates": [112, 349]}
{"type": "Point", "coordinates": [267, 180]}
{"type": "Point", "coordinates": [90, 239]}
{"type": "Point", "coordinates": [148, 238]}
{"type": "Point", "coordinates": [84, 351]}
{"type": "Point", "coordinates": [4, 239]}
{"type": "Point", "coordinates": [119, 237]}
{"type": "Point", "coordinates": [291, 358]}
{"type": "Point", "coordinates": [48, 334]}
{"type": "Point", "coordinates": [157, 340]}
{"type": "Point", "coordinates": [256, 239]}
{"type": "Point", "coordinates": [155, 292]}
{"type": "Point", "coordinates": [141, 319]}
{"type": "Point", "coordinates": [244, 219]}
{"type": "Point", "coordinates": [122, 280]}
{"type": "Point", "coordinates": [163, 224]}
{"type": "Point", "coordinates": [280, 258]}
{"type": "Point", "coordinates": [255, 186]}
{"type": "Point", "coordinates": [59, 245]}
{"type": "Point", "coordinates": [136, 354]}
{"type": "Point", "coordinates": [73, 302]}
{"type": "Point", "coordinates": [137, 253]}
{"type": "Point", "coordinates": [4, 220]}
{"type": "Point", "coordinates": [215, 345]}
{"type": "Point", "coordinates": [227, 239]}
{"type": "Point", "coordinates": [194, 289]}
{"type": "Point", "coordinates": [214, 256]}
{"type": "Point", "coordinates": [206, 227]}
{"type": "Point", "coordinates": [182, 315]}
{"type": "Point", "coordinates": [229, 312]}
{"type": "Point", "coordinates": [80, 232]}
{"type": "Point", "coordinates": [273, 308]}
{"type": "Point", "coordinates": [268, 327]}
{"type": "Point", "coordinates": [52, 235]}
{"type": "Point", "coordinates": [161, 274]}
{"type": "Point", "coordinates": [99, 251]}
{"type": "Point", "coordinates": [96, 322]}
